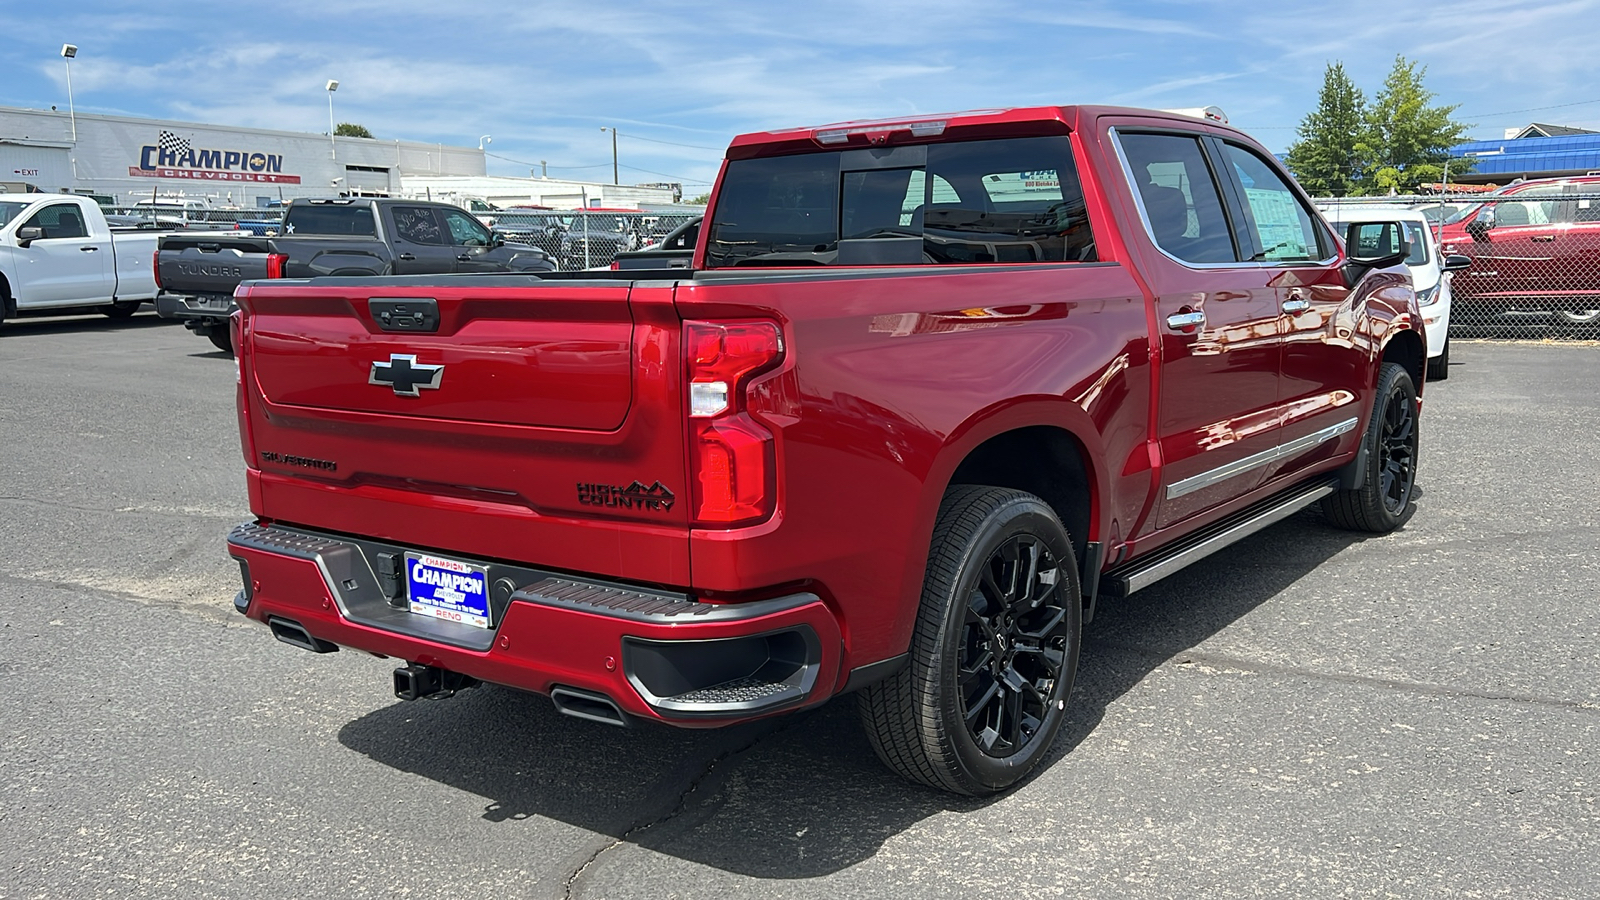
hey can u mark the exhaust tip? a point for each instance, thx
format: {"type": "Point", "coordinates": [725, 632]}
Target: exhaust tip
{"type": "Point", "coordinates": [295, 635]}
{"type": "Point", "coordinates": [590, 705]}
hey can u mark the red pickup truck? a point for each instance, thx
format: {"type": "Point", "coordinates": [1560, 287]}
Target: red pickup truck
{"type": "Point", "coordinates": [930, 390]}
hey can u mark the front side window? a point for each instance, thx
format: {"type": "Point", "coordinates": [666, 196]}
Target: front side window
{"type": "Point", "coordinates": [973, 202]}
{"type": "Point", "coordinates": [1180, 197]}
{"type": "Point", "coordinates": [1283, 226]}
{"type": "Point", "coordinates": [58, 220]}
{"type": "Point", "coordinates": [465, 231]}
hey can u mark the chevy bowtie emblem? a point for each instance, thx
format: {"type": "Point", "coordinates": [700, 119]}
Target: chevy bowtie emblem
{"type": "Point", "coordinates": [405, 375]}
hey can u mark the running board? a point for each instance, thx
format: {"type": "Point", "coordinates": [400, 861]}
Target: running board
{"type": "Point", "coordinates": [1141, 573]}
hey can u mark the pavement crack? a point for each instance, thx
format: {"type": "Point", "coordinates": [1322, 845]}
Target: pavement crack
{"type": "Point", "coordinates": [1235, 665]}
{"type": "Point", "coordinates": [176, 513]}
{"type": "Point", "coordinates": [684, 800]}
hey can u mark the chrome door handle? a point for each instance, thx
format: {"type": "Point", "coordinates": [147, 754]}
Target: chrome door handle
{"type": "Point", "coordinates": [88, 249]}
{"type": "Point", "coordinates": [1182, 320]}
{"type": "Point", "coordinates": [1296, 306]}
{"type": "Point", "coordinates": [407, 256]}
{"type": "Point", "coordinates": [1544, 238]}
{"type": "Point", "coordinates": [465, 257]}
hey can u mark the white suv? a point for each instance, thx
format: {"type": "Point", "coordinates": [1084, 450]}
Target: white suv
{"type": "Point", "coordinates": [1430, 272]}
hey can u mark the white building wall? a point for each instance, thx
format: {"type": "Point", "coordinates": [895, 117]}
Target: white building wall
{"type": "Point", "coordinates": [127, 158]}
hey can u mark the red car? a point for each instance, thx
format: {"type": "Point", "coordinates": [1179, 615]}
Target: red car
{"type": "Point", "coordinates": [1534, 246]}
{"type": "Point", "coordinates": [931, 389]}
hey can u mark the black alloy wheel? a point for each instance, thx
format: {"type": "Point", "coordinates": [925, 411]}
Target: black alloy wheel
{"type": "Point", "coordinates": [1384, 497]}
{"type": "Point", "coordinates": [994, 651]}
{"type": "Point", "coordinates": [1013, 646]}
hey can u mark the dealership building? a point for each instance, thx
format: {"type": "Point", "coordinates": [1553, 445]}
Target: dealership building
{"type": "Point", "coordinates": [132, 159]}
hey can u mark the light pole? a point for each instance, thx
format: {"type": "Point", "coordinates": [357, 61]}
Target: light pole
{"type": "Point", "coordinates": [484, 139]}
{"type": "Point", "coordinates": [613, 153]}
{"type": "Point", "coordinates": [333, 149]}
{"type": "Point", "coordinates": [68, 51]}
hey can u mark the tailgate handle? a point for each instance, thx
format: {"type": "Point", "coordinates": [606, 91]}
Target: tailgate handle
{"type": "Point", "coordinates": [209, 248]}
{"type": "Point", "coordinates": [408, 314]}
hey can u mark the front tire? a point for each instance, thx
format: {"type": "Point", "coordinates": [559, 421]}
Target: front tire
{"type": "Point", "coordinates": [1439, 366]}
{"type": "Point", "coordinates": [994, 650]}
{"type": "Point", "coordinates": [121, 309]}
{"type": "Point", "coordinates": [222, 339]}
{"type": "Point", "coordinates": [1384, 500]}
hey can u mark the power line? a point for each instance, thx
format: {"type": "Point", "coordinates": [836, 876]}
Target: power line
{"type": "Point", "coordinates": [635, 137]}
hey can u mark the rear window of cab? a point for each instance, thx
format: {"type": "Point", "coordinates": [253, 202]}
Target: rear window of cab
{"type": "Point", "coordinates": [1014, 200]}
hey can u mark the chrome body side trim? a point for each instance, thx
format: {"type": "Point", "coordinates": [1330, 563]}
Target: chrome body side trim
{"type": "Point", "coordinates": [1257, 460]}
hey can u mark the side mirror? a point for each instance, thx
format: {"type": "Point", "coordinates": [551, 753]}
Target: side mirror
{"type": "Point", "coordinates": [1373, 245]}
{"type": "Point", "coordinates": [1481, 224]}
{"type": "Point", "coordinates": [497, 238]}
{"type": "Point", "coordinates": [1456, 262]}
{"type": "Point", "coordinates": [26, 236]}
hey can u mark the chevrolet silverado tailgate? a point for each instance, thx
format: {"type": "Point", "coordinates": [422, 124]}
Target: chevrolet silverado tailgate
{"type": "Point", "coordinates": [534, 421]}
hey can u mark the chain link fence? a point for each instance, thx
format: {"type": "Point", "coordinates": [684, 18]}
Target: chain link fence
{"type": "Point", "coordinates": [585, 239]}
{"type": "Point", "coordinates": [1533, 257]}
{"type": "Point", "coordinates": [573, 239]}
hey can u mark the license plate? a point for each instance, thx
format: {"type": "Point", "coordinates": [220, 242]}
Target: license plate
{"type": "Point", "coordinates": [447, 589]}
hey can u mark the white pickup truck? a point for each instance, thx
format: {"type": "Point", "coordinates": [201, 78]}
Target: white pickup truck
{"type": "Point", "coordinates": [57, 251]}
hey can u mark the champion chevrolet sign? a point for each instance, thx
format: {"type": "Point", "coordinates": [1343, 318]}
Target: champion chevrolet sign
{"type": "Point", "coordinates": [172, 156]}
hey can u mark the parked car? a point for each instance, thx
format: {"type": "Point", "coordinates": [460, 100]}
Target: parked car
{"type": "Point", "coordinates": [594, 238]}
{"type": "Point", "coordinates": [675, 250]}
{"type": "Point", "coordinates": [57, 251]}
{"type": "Point", "coordinates": [1431, 274]}
{"type": "Point", "coordinates": [1535, 247]}
{"type": "Point", "coordinates": [931, 390]}
{"type": "Point", "coordinates": [342, 237]}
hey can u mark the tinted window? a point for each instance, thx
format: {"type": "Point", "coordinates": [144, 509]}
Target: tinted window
{"type": "Point", "coordinates": [465, 230]}
{"type": "Point", "coordinates": [1283, 226]}
{"type": "Point", "coordinates": [1014, 200]}
{"type": "Point", "coordinates": [418, 225]}
{"type": "Point", "coordinates": [1180, 198]}
{"type": "Point", "coordinates": [339, 220]}
{"type": "Point", "coordinates": [59, 220]}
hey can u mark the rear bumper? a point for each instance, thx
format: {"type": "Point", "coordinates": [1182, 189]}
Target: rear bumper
{"type": "Point", "coordinates": [206, 306]}
{"type": "Point", "coordinates": [657, 654]}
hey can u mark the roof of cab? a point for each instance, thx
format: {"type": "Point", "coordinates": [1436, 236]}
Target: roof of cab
{"type": "Point", "coordinates": [932, 128]}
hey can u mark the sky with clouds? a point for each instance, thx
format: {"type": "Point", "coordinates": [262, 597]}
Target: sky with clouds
{"type": "Point", "coordinates": [678, 79]}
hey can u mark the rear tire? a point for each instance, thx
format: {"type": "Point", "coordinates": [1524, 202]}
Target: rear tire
{"type": "Point", "coordinates": [121, 309]}
{"type": "Point", "coordinates": [1584, 323]}
{"type": "Point", "coordinates": [222, 339]}
{"type": "Point", "coordinates": [993, 652]}
{"type": "Point", "coordinates": [1385, 498]}
{"type": "Point", "coordinates": [1439, 366]}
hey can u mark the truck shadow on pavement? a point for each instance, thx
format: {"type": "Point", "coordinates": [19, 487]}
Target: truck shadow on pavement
{"type": "Point", "coordinates": [58, 324]}
{"type": "Point", "coordinates": [804, 796]}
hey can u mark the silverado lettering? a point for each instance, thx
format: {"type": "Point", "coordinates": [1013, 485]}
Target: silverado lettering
{"type": "Point", "coordinates": [935, 387]}
{"type": "Point", "coordinates": [302, 461]}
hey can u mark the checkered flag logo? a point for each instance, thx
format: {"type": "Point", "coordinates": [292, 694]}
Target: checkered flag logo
{"type": "Point", "coordinates": [173, 144]}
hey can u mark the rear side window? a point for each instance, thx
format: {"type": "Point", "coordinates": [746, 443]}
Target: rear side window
{"type": "Point", "coordinates": [348, 221]}
{"type": "Point", "coordinates": [1181, 202]}
{"type": "Point", "coordinates": [975, 202]}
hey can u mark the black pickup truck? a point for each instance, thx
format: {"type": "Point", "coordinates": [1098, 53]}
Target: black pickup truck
{"type": "Point", "coordinates": [347, 236]}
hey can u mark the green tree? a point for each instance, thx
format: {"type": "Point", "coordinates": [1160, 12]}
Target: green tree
{"type": "Point", "coordinates": [351, 129]}
{"type": "Point", "coordinates": [1324, 159]}
{"type": "Point", "coordinates": [1407, 139]}
{"type": "Point", "coordinates": [700, 200]}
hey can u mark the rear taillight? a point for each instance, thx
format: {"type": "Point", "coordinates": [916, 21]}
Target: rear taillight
{"type": "Point", "coordinates": [732, 455]}
{"type": "Point", "coordinates": [276, 263]}
{"type": "Point", "coordinates": [155, 266]}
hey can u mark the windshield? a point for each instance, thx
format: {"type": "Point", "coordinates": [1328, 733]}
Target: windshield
{"type": "Point", "coordinates": [973, 202]}
{"type": "Point", "coordinates": [10, 209]}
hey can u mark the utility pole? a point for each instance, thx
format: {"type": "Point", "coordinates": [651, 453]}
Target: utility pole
{"type": "Point", "coordinates": [614, 179]}
{"type": "Point", "coordinates": [333, 148]}
{"type": "Point", "coordinates": [68, 51]}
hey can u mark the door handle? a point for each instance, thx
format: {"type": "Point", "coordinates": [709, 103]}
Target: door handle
{"type": "Point", "coordinates": [465, 257]}
{"type": "Point", "coordinates": [407, 257]}
{"type": "Point", "coordinates": [1543, 238]}
{"type": "Point", "coordinates": [1183, 321]}
{"type": "Point", "coordinates": [88, 249]}
{"type": "Point", "coordinates": [1296, 306]}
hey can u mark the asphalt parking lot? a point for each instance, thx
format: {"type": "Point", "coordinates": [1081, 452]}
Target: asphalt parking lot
{"type": "Point", "coordinates": [1307, 714]}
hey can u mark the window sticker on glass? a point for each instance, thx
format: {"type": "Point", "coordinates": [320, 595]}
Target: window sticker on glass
{"type": "Point", "coordinates": [1278, 224]}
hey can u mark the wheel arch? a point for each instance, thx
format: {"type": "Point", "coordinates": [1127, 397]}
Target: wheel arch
{"type": "Point", "coordinates": [8, 301]}
{"type": "Point", "coordinates": [1407, 348]}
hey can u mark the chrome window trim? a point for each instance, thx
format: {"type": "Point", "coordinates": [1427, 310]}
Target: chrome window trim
{"type": "Point", "coordinates": [1149, 230]}
{"type": "Point", "coordinates": [1257, 460]}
